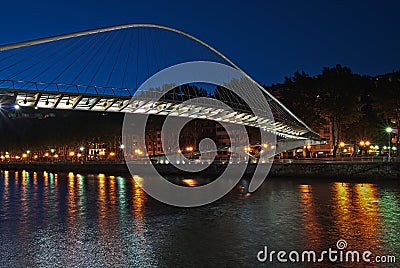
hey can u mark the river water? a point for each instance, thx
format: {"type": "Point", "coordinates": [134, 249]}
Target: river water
{"type": "Point", "coordinates": [74, 220]}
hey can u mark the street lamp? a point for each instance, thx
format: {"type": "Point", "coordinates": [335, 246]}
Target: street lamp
{"type": "Point", "coordinates": [388, 131]}
{"type": "Point", "coordinates": [52, 154]}
{"type": "Point", "coordinates": [82, 154]}
{"type": "Point", "coordinates": [364, 145]}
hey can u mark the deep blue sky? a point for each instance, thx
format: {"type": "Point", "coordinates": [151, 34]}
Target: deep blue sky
{"type": "Point", "coordinates": [268, 39]}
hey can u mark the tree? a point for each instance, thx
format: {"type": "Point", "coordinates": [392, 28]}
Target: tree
{"type": "Point", "coordinates": [300, 95]}
{"type": "Point", "coordinates": [339, 99]}
{"type": "Point", "coordinates": [386, 96]}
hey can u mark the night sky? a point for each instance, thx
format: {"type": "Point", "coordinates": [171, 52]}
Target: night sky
{"type": "Point", "coordinates": [267, 40]}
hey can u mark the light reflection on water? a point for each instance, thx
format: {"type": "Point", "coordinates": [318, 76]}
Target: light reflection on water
{"type": "Point", "coordinates": [97, 220]}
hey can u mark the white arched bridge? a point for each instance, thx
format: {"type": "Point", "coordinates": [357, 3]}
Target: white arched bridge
{"type": "Point", "coordinates": [102, 69]}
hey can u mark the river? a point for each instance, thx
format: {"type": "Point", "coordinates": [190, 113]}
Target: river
{"type": "Point", "coordinates": [83, 220]}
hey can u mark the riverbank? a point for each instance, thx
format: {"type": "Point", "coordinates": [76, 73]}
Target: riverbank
{"type": "Point", "coordinates": [373, 170]}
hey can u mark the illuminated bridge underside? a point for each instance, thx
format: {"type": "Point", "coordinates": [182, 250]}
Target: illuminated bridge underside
{"type": "Point", "coordinates": [125, 104]}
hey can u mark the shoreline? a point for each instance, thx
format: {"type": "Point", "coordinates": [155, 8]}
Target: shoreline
{"type": "Point", "coordinates": [349, 170]}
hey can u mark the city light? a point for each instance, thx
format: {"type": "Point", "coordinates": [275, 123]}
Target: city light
{"type": "Point", "coordinates": [342, 144]}
{"type": "Point", "coordinates": [112, 154]}
{"type": "Point", "coordinates": [389, 131]}
{"type": "Point", "coordinates": [81, 148]}
{"type": "Point", "coordinates": [189, 149]}
{"type": "Point", "coordinates": [265, 145]}
{"type": "Point", "coordinates": [16, 107]}
{"type": "Point", "coordinates": [362, 143]}
{"type": "Point", "coordinates": [71, 153]}
{"type": "Point", "coordinates": [138, 152]}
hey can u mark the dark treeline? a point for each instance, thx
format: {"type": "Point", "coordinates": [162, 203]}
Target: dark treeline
{"type": "Point", "coordinates": [357, 106]}
{"type": "Point", "coordinates": [36, 129]}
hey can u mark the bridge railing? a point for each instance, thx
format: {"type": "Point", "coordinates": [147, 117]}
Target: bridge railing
{"type": "Point", "coordinates": [22, 85]}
